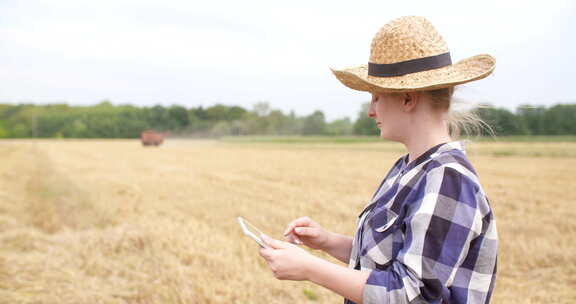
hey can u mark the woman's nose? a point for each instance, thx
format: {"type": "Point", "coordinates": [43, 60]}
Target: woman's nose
{"type": "Point", "coordinates": [371, 112]}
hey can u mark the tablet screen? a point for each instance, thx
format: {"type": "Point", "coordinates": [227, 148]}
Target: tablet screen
{"type": "Point", "coordinates": [251, 231]}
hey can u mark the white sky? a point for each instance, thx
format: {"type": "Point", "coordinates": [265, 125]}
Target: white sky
{"type": "Point", "coordinates": [240, 52]}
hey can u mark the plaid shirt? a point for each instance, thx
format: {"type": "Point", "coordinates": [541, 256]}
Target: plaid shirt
{"type": "Point", "coordinates": [428, 235]}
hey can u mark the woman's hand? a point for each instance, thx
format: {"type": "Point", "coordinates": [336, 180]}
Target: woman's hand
{"type": "Point", "coordinates": [287, 261]}
{"type": "Point", "coordinates": [305, 231]}
{"type": "Point", "coordinates": [290, 262]}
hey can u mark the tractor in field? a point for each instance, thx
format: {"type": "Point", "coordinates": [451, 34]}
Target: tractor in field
{"type": "Point", "coordinates": [152, 138]}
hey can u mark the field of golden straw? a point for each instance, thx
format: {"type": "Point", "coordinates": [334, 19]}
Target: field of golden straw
{"type": "Point", "coordinates": [96, 221]}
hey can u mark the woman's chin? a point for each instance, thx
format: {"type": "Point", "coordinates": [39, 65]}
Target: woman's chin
{"type": "Point", "coordinates": [385, 135]}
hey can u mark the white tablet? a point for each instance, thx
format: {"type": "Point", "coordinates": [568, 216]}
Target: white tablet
{"type": "Point", "coordinates": [252, 232]}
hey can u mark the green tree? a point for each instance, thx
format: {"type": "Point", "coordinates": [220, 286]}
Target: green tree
{"type": "Point", "coordinates": [314, 124]}
{"type": "Point", "coordinates": [178, 116]}
{"type": "Point", "coordinates": [532, 117]}
{"type": "Point", "coordinates": [3, 132]}
{"type": "Point", "coordinates": [222, 128]}
{"type": "Point", "coordinates": [278, 123]}
{"type": "Point", "coordinates": [217, 113]}
{"type": "Point", "coordinates": [340, 127]}
{"type": "Point", "coordinates": [20, 130]}
{"type": "Point", "coordinates": [502, 121]}
{"type": "Point", "coordinates": [158, 117]}
{"type": "Point", "coordinates": [256, 124]}
{"type": "Point", "coordinates": [235, 113]}
{"type": "Point", "coordinates": [76, 129]}
{"type": "Point", "coordinates": [560, 120]}
{"type": "Point", "coordinates": [106, 120]}
{"type": "Point", "coordinates": [262, 108]}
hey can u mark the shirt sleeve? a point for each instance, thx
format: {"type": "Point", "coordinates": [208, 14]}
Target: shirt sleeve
{"type": "Point", "coordinates": [449, 248]}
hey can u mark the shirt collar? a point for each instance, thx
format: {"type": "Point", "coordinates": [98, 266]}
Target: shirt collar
{"type": "Point", "coordinates": [431, 153]}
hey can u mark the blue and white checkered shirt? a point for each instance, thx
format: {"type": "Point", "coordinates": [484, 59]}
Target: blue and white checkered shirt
{"type": "Point", "coordinates": [428, 235]}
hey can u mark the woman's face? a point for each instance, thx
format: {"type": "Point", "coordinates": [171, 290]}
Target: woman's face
{"type": "Point", "coordinates": [386, 111]}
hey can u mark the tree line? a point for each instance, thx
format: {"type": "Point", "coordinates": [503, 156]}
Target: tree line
{"type": "Point", "coordinates": [106, 120]}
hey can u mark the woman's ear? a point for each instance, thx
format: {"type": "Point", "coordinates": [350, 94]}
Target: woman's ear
{"type": "Point", "coordinates": [410, 101]}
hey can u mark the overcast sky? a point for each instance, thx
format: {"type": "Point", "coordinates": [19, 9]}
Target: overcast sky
{"type": "Point", "coordinates": [240, 52]}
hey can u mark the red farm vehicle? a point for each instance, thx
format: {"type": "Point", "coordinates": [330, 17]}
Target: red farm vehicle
{"type": "Point", "coordinates": [152, 138]}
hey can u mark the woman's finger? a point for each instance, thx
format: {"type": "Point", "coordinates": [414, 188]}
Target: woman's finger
{"type": "Point", "coordinates": [297, 240]}
{"type": "Point", "coordinates": [294, 239]}
{"type": "Point", "coordinates": [274, 244]}
{"type": "Point", "coordinates": [301, 221]}
{"type": "Point", "coordinates": [305, 231]}
{"type": "Point", "coordinates": [289, 227]}
{"type": "Point", "coordinates": [290, 238]}
{"type": "Point", "coordinates": [265, 253]}
{"type": "Point", "coordinates": [293, 224]}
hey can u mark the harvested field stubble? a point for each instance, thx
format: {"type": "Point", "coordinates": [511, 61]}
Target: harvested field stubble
{"type": "Point", "coordinates": [112, 222]}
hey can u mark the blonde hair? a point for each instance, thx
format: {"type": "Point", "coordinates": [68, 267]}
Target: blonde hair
{"type": "Point", "coordinates": [459, 122]}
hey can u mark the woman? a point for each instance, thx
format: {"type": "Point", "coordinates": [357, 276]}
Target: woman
{"type": "Point", "coordinates": [428, 235]}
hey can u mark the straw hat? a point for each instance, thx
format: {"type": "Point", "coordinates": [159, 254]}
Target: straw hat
{"type": "Point", "coordinates": [408, 54]}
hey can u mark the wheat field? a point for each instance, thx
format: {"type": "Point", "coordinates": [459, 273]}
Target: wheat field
{"type": "Point", "coordinates": [95, 221]}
